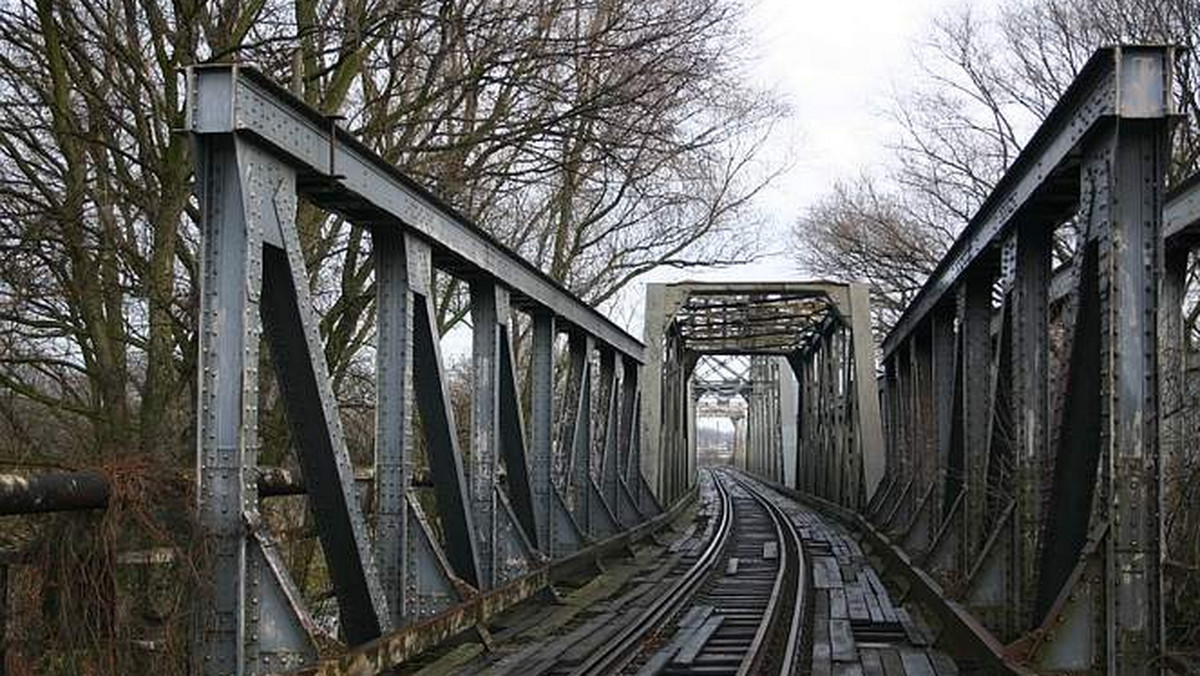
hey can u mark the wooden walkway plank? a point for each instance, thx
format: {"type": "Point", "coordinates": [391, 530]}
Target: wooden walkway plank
{"type": "Point", "coordinates": [916, 662]}
{"type": "Point", "coordinates": [892, 664]}
{"type": "Point", "coordinates": [847, 669]}
{"type": "Point", "coordinates": [826, 573]}
{"type": "Point", "coordinates": [837, 604]}
{"type": "Point", "coordinates": [841, 642]}
{"type": "Point", "coordinates": [856, 603]}
{"type": "Point", "coordinates": [871, 662]}
{"type": "Point", "coordinates": [856, 624]}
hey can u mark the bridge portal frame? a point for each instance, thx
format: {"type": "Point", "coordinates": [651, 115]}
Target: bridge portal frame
{"type": "Point", "coordinates": [831, 343]}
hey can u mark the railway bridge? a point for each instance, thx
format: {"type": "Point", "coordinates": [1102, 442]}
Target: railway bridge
{"type": "Point", "coordinates": [980, 493]}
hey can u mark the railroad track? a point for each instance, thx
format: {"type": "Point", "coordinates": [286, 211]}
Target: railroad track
{"type": "Point", "coordinates": [738, 608]}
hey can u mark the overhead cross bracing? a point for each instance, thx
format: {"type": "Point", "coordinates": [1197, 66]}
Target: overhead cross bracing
{"type": "Point", "coordinates": [721, 376]}
{"type": "Point", "coordinates": [752, 319]}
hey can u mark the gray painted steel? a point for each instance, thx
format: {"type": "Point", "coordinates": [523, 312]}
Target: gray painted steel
{"type": "Point", "coordinates": [258, 150]}
{"type": "Point", "coordinates": [229, 99]}
{"type": "Point", "coordinates": [824, 331]}
{"type": "Point", "coordinates": [1049, 470]}
{"type": "Point", "coordinates": [1122, 82]}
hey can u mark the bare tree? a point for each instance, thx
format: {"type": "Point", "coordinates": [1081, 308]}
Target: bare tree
{"type": "Point", "coordinates": [987, 81]}
{"type": "Point", "coordinates": [861, 232]}
{"type": "Point", "coordinates": [598, 139]}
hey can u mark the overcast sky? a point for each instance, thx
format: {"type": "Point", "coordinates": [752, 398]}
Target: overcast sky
{"type": "Point", "coordinates": [835, 64]}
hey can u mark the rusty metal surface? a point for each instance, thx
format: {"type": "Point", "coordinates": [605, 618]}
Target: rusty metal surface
{"type": "Point", "coordinates": [396, 648]}
{"type": "Point", "coordinates": [968, 635]}
{"type": "Point", "coordinates": [52, 492]}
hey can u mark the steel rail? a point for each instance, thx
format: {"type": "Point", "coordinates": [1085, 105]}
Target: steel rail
{"type": "Point", "coordinates": [794, 563]}
{"type": "Point", "coordinates": [623, 647]}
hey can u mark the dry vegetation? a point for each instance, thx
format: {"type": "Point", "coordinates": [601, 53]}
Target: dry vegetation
{"type": "Point", "coordinates": [597, 139]}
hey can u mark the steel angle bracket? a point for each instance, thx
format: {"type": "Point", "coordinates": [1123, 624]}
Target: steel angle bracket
{"type": "Point", "coordinates": [287, 634]}
{"type": "Point", "coordinates": [566, 536]}
{"type": "Point", "coordinates": [945, 554]}
{"type": "Point", "coordinates": [991, 577]}
{"type": "Point", "coordinates": [1072, 637]}
{"type": "Point", "coordinates": [647, 502]}
{"type": "Point", "coordinates": [916, 536]}
{"type": "Point", "coordinates": [601, 523]}
{"type": "Point", "coordinates": [627, 509]}
{"type": "Point", "coordinates": [898, 510]}
{"type": "Point", "coordinates": [879, 501]}
{"type": "Point", "coordinates": [430, 585]}
{"type": "Point", "coordinates": [515, 555]}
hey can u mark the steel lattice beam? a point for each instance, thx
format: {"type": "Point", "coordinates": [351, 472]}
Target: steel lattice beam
{"type": "Point", "coordinates": [1039, 498]}
{"type": "Point", "coordinates": [258, 151]}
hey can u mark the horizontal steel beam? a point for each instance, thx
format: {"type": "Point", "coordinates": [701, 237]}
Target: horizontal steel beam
{"type": "Point", "coordinates": [1181, 212]}
{"type": "Point", "coordinates": [338, 172]}
{"type": "Point", "coordinates": [88, 489]}
{"type": "Point", "coordinates": [1130, 82]}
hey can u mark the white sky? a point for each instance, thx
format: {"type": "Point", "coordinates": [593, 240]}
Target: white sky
{"type": "Point", "coordinates": [835, 64]}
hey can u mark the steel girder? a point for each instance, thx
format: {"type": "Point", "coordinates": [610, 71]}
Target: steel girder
{"type": "Point", "coordinates": [502, 516]}
{"type": "Point", "coordinates": [1023, 406]}
{"type": "Point", "coordinates": [820, 430]}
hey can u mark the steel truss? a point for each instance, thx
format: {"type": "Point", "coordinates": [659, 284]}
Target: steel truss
{"type": "Point", "coordinates": [827, 425]}
{"type": "Point", "coordinates": [258, 150]}
{"type": "Point", "coordinates": [1023, 435]}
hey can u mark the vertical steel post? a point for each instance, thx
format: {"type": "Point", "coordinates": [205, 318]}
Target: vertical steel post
{"type": "Point", "coordinates": [1030, 347]}
{"type": "Point", "coordinates": [393, 416]}
{"type": "Point", "coordinates": [1133, 250]}
{"type": "Point", "coordinates": [485, 394]}
{"type": "Point", "coordinates": [541, 375]}
{"type": "Point", "coordinates": [581, 449]}
{"type": "Point", "coordinates": [975, 333]}
{"type": "Point", "coordinates": [904, 423]}
{"type": "Point", "coordinates": [608, 446]}
{"type": "Point", "coordinates": [250, 619]}
{"type": "Point", "coordinates": [925, 452]}
{"type": "Point", "coordinates": [892, 400]}
{"type": "Point", "coordinates": [942, 344]}
{"type": "Point", "coordinates": [231, 270]}
{"type": "Point", "coordinates": [628, 425]}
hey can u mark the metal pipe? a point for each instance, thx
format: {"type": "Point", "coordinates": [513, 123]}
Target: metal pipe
{"type": "Point", "coordinates": [89, 489]}
{"type": "Point", "coordinates": [57, 492]}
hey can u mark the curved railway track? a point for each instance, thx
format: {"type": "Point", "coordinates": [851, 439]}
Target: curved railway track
{"type": "Point", "coordinates": [738, 608]}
